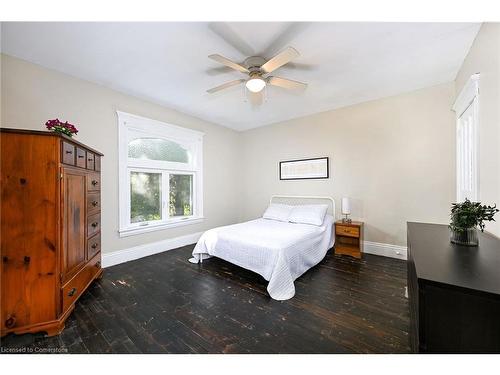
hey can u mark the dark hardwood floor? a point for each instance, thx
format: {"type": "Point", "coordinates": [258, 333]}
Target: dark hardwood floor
{"type": "Point", "coordinates": [163, 304]}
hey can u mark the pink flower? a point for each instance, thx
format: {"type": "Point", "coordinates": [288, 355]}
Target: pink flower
{"type": "Point", "coordinates": [64, 127]}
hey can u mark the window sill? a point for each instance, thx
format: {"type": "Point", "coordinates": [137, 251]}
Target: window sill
{"type": "Point", "coordinates": [126, 232]}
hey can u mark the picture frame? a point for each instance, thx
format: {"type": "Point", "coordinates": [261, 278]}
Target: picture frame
{"type": "Point", "coordinates": [305, 169]}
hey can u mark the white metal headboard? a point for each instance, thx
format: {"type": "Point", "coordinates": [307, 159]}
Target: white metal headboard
{"type": "Point", "coordinates": [296, 200]}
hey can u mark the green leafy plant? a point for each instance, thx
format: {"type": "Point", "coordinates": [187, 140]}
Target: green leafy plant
{"type": "Point", "coordinates": [469, 214]}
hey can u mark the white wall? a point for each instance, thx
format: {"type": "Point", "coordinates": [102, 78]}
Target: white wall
{"type": "Point", "coordinates": [32, 94]}
{"type": "Point", "coordinates": [394, 157]}
{"type": "Point", "coordinates": [484, 58]}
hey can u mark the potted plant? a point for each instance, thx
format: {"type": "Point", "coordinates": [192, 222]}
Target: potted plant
{"type": "Point", "coordinates": [466, 217]}
{"type": "Point", "coordinates": [61, 127]}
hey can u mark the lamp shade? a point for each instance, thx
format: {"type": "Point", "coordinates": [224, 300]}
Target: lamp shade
{"type": "Point", "coordinates": [255, 84]}
{"type": "Point", "coordinates": [346, 206]}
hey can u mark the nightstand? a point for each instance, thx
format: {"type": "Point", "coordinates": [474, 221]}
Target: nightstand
{"type": "Point", "coordinates": [349, 238]}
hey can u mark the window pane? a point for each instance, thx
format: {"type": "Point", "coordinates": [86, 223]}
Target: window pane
{"type": "Point", "coordinates": [157, 149]}
{"type": "Point", "coordinates": [181, 195]}
{"type": "Point", "coordinates": [145, 197]}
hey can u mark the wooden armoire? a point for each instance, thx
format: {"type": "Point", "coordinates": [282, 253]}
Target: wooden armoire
{"type": "Point", "coordinates": [50, 228]}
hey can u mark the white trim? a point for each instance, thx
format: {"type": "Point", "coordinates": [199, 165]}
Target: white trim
{"type": "Point", "coordinates": [467, 140]}
{"type": "Point", "coordinates": [143, 123]}
{"type": "Point", "coordinates": [141, 251]}
{"type": "Point", "coordinates": [467, 95]}
{"type": "Point", "coordinates": [128, 124]}
{"type": "Point", "coordinates": [385, 250]}
{"type": "Point", "coordinates": [132, 231]}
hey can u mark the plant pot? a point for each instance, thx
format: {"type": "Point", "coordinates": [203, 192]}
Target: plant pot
{"type": "Point", "coordinates": [62, 130]}
{"type": "Point", "coordinates": [466, 237]}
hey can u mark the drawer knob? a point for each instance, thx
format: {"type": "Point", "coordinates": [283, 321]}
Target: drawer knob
{"type": "Point", "coordinates": [10, 322]}
{"type": "Point", "coordinates": [27, 260]}
{"type": "Point", "coordinates": [95, 203]}
{"type": "Point", "coordinates": [72, 292]}
{"type": "Point", "coordinates": [80, 156]}
{"type": "Point", "coordinates": [94, 246]}
{"type": "Point", "coordinates": [69, 152]}
{"type": "Point", "coordinates": [90, 159]}
{"type": "Point", "coordinates": [94, 182]}
{"type": "Point", "coordinates": [95, 224]}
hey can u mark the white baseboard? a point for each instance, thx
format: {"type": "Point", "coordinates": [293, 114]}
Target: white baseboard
{"type": "Point", "coordinates": [141, 251]}
{"type": "Point", "coordinates": [136, 252]}
{"type": "Point", "coordinates": [385, 249]}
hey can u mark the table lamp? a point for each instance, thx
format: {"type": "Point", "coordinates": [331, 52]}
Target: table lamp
{"type": "Point", "coordinates": [346, 210]}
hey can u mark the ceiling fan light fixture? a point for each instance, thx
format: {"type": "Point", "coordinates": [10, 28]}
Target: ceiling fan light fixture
{"type": "Point", "coordinates": [255, 84]}
{"type": "Point", "coordinates": [255, 67]}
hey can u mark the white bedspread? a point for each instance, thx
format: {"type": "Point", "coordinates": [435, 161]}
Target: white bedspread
{"type": "Point", "coordinates": [278, 251]}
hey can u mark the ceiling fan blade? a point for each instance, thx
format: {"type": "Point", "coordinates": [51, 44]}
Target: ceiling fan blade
{"type": "Point", "coordinates": [215, 71]}
{"type": "Point", "coordinates": [225, 85]}
{"type": "Point", "coordinates": [280, 59]}
{"type": "Point", "coordinates": [226, 33]}
{"type": "Point", "coordinates": [227, 62]}
{"type": "Point", "coordinates": [291, 31]}
{"type": "Point", "coordinates": [300, 66]}
{"type": "Point", "coordinates": [286, 83]}
{"type": "Point", "coordinates": [255, 98]}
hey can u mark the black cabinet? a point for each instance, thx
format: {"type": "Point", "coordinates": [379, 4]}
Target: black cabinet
{"type": "Point", "coordinates": [454, 292]}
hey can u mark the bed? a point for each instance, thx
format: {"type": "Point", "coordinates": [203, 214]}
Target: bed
{"type": "Point", "coordinates": [279, 251]}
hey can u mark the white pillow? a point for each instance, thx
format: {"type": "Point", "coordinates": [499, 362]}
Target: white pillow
{"type": "Point", "coordinates": [309, 214]}
{"type": "Point", "coordinates": [280, 212]}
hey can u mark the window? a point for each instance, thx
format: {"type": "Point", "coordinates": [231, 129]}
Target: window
{"type": "Point", "coordinates": [466, 108]}
{"type": "Point", "coordinates": [160, 175]}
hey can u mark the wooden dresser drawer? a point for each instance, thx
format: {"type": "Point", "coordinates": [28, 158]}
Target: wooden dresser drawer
{"type": "Point", "coordinates": [90, 160]}
{"type": "Point", "coordinates": [80, 157]}
{"type": "Point", "coordinates": [93, 182]}
{"type": "Point", "coordinates": [347, 231]}
{"type": "Point", "coordinates": [74, 287]}
{"type": "Point", "coordinates": [93, 202]}
{"type": "Point", "coordinates": [97, 163]}
{"type": "Point", "coordinates": [93, 246]}
{"type": "Point", "coordinates": [93, 224]}
{"type": "Point", "coordinates": [68, 153]}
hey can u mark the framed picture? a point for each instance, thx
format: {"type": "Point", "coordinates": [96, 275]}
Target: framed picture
{"type": "Point", "coordinates": [304, 169]}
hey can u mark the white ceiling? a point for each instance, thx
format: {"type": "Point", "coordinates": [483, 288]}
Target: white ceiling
{"type": "Point", "coordinates": [343, 63]}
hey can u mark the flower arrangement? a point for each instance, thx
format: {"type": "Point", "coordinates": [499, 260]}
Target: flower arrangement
{"type": "Point", "coordinates": [61, 127]}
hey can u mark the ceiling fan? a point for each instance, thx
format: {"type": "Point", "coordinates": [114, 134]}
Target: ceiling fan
{"type": "Point", "coordinates": [257, 69]}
